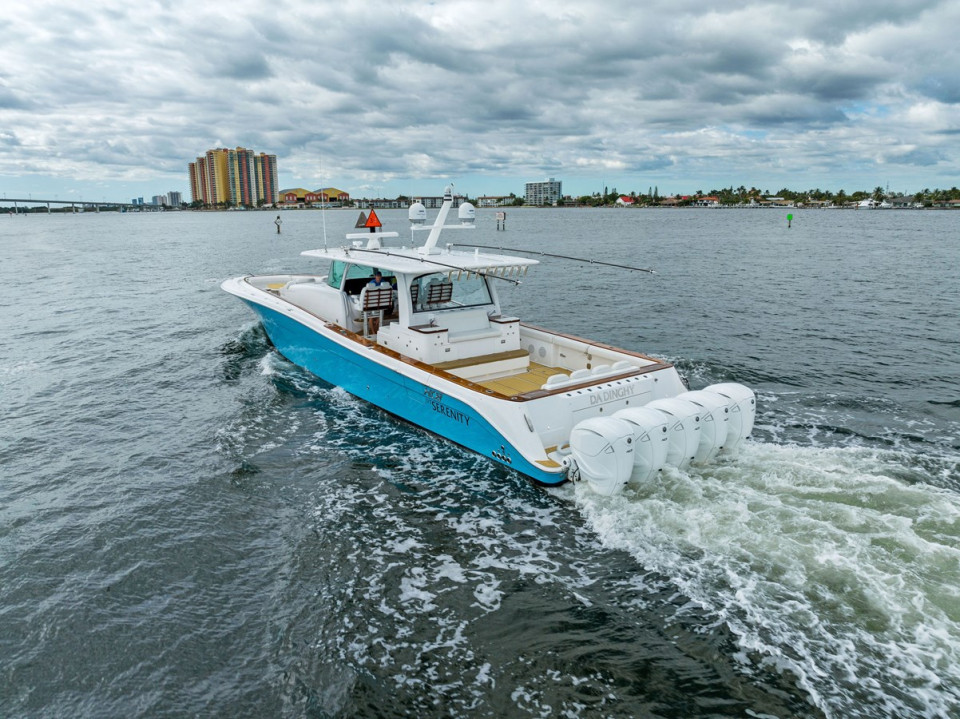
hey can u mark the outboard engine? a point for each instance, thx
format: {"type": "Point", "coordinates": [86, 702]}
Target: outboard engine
{"type": "Point", "coordinates": [603, 450]}
{"type": "Point", "coordinates": [713, 423]}
{"type": "Point", "coordinates": [683, 429]}
{"type": "Point", "coordinates": [651, 440]}
{"type": "Point", "coordinates": [742, 406]}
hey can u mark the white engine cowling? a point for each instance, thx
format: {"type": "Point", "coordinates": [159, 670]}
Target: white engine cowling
{"type": "Point", "coordinates": [603, 450]}
{"type": "Point", "coordinates": [742, 405]}
{"type": "Point", "coordinates": [683, 429]}
{"type": "Point", "coordinates": [651, 440]}
{"type": "Point", "coordinates": [713, 423]}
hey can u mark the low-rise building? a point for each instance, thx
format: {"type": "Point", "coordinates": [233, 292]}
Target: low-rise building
{"type": "Point", "coordinates": [329, 196]}
{"type": "Point", "coordinates": [495, 200]}
{"type": "Point", "coordinates": [435, 203]}
{"type": "Point", "coordinates": [382, 203]}
{"type": "Point", "coordinates": [300, 197]}
{"type": "Point", "coordinates": [293, 197]}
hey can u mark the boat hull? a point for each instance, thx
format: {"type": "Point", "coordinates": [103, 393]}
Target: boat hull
{"type": "Point", "coordinates": [364, 373]}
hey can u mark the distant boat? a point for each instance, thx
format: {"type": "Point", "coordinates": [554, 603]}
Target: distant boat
{"type": "Point", "coordinates": [872, 204]}
{"type": "Point", "coordinates": [431, 344]}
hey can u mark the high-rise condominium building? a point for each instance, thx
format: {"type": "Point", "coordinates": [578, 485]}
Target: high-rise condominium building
{"type": "Point", "coordinates": [543, 193]}
{"type": "Point", "coordinates": [234, 177]}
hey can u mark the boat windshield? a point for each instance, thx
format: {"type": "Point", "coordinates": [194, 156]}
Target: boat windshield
{"type": "Point", "coordinates": [360, 273]}
{"type": "Point", "coordinates": [440, 291]}
{"type": "Point", "coordinates": [335, 276]}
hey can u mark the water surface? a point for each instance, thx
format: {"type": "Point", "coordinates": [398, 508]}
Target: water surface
{"type": "Point", "coordinates": [189, 524]}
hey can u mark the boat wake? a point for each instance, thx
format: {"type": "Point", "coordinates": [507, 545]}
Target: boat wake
{"type": "Point", "coordinates": [834, 569]}
{"type": "Point", "coordinates": [839, 566]}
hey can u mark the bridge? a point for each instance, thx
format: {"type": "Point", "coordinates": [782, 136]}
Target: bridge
{"type": "Point", "coordinates": [77, 205]}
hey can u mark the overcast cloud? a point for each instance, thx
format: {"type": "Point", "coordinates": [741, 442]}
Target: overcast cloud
{"type": "Point", "coordinates": [115, 98]}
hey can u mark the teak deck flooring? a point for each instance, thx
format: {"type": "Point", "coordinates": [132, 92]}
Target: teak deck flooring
{"type": "Point", "coordinates": [533, 379]}
{"type": "Point", "coordinates": [483, 359]}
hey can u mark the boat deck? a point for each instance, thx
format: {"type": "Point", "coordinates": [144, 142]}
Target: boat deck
{"type": "Point", "coordinates": [529, 381]}
{"type": "Point", "coordinates": [535, 380]}
{"type": "Point", "coordinates": [512, 385]}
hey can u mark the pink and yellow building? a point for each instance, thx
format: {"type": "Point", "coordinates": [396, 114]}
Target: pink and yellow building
{"type": "Point", "coordinates": [234, 177]}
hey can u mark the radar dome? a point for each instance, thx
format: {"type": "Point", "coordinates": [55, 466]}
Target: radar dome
{"type": "Point", "coordinates": [417, 213]}
{"type": "Point", "coordinates": [467, 213]}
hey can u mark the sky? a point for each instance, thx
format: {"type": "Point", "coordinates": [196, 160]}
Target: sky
{"type": "Point", "coordinates": [111, 100]}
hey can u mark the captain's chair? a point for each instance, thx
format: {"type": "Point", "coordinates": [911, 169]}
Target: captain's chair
{"type": "Point", "coordinates": [374, 302]}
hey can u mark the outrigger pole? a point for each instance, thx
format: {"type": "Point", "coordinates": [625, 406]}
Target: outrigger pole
{"type": "Point", "coordinates": [428, 259]}
{"type": "Point", "coordinates": [561, 257]}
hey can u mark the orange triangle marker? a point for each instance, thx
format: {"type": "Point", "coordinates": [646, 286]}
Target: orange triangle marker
{"type": "Point", "coordinates": [373, 220]}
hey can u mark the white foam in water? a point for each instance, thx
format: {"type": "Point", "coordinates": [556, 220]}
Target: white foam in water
{"type": "Point", "coordinates": [17, 369]}
{"type": "Point", "coordinates": [427, 600]}
{"type": "Point", "coordinates": [270, 364]}
{"type": "Point", "coordinates": [821, 562]}
{"type": "Point", "coordinates": [826, 567]}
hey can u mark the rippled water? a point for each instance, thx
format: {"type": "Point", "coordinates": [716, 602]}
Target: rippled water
{"type": "Point", "coordinates": [189, 524]}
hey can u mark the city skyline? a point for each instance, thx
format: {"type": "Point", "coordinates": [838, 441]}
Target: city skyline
{"type": "Point", "coordinates": [387, 99]}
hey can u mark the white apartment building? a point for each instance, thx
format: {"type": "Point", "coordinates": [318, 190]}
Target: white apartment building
{"type": "Point", "coordinates": [548, 192]}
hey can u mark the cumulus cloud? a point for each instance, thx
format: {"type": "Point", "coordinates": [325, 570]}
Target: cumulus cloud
{"type": "Point", "coordinates": [400, 94]}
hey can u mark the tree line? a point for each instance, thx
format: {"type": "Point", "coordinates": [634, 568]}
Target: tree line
{"type": "Point", "coordinates": [743, 195]}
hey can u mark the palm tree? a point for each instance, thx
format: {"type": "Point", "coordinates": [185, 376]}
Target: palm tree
{"type": "Point", "coordinates": [878, 194]}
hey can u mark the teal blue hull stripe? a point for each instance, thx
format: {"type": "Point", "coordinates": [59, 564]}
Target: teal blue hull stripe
{"type": "Point", "coordinates": [415, 402]}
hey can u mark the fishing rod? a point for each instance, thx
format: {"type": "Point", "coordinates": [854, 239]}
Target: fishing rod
{"type": "Point", "coordinates": [323, 206]}
{"type": "Point", "coordinates": [479, 273]}
{"type": "Point", "coordinates": [561, 257]}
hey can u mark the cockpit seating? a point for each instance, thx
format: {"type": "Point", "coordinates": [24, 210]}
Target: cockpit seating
{"type": "Point", "coordinates": [374, 302]}
{"type": "Point", "coordinates": [438, 292]}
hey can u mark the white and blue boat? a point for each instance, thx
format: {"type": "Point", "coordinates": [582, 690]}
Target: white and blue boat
{"type": "Point", "coordinates": [431, 344]}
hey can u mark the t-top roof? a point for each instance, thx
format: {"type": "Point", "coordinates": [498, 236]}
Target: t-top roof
{"type": "Point", "coordinates": [410, 261]}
